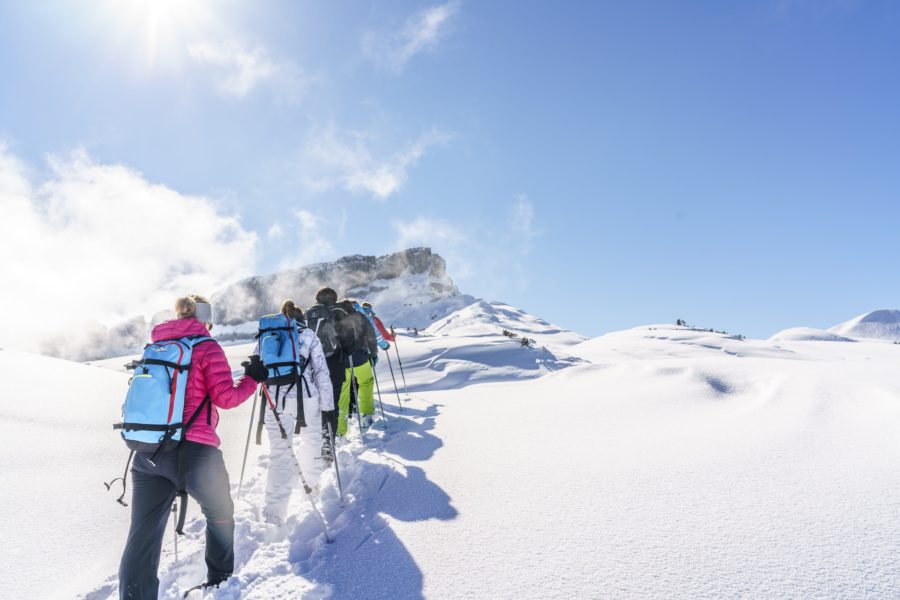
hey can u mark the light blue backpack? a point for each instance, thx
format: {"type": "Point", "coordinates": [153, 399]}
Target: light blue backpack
{"type": "Point", "coordinates": [279, 349]}
{"type": "Point", "coordinates": [154, 406]}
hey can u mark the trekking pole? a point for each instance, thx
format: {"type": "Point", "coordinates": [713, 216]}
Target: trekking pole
{"type": "Point", "coordinates": [247, 445]}
{"type": "Point", "coordinates": [337, 469]}
{"type": "Point", "coordinates": [396, 390]}
{"type": "Point", "coordinates": [175, 530]}
{"type": "Point", "coordinates": [355, 392]}
{"type": "Point", "coordinates": [290, 446]}
{"type": "Point", "coordinates": [378, 389]}
{"type": "Point", "coordinates": [402, 374]}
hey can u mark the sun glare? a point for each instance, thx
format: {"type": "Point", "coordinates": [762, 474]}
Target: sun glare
{"type": "Point", "coordinates": [159, 29]}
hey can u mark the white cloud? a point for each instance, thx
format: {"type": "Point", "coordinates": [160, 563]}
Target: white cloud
{"type": "Point", "coordinates": [422, 32]}
{"type": "Point", "coordinates": [309, 244]}
{"type": "Point", "coordinates": [331, 161]}
{"type": "Point", "coordinates": [242, 69]}
{"type": "Point", "coordinates": [99, 243]}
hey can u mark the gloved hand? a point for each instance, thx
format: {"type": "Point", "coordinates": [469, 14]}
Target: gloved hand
{"type": "Point", "coordinates": [374, 359]}
{"type": "Point", "coordinates": [255, 369]}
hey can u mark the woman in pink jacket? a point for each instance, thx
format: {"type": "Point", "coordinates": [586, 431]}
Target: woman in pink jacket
{"type": "Point", "coordinates": [195, 466]}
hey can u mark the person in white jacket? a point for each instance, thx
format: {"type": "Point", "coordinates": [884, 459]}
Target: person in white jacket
{"type": "Point", "coordinates": [317, 397]}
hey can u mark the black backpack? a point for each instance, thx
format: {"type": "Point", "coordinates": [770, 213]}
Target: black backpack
{"type": "Point", "coordinates": [321, 318]}
{"type": "Point", "coordinates": [351, 330]}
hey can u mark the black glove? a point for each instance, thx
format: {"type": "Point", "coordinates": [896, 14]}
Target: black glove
{"type": "Point", "coordinates": [255, 369]}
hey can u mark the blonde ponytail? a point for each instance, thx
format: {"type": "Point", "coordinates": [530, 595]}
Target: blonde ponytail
{"type": "Point", "coordinates": [287, 308]}
{"type": "Point", "coordinates": [185, 307]}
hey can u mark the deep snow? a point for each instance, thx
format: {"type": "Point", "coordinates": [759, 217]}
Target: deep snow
{"type": "Point", "coordinates": [655, 462]}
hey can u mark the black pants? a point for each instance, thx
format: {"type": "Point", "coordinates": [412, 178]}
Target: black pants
{"type": "Point", "coordinates": [198, 469]}
{"type": "Point", "coordinates": [336, 370]}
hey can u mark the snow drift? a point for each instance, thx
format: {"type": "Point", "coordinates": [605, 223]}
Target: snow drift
{"type": "Point", "coordinates": [808, 334]}
{"type": "Point", "coordinates": [878, 324]}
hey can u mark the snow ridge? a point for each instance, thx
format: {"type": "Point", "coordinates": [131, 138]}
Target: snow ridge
{"type": "Point", "coordinates": [877, 324]}
{"type": "Point", "coordinates": [808, 334]}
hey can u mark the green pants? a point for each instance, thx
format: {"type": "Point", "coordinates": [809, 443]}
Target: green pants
{"type": "Point", "coordinates": [366, 380]}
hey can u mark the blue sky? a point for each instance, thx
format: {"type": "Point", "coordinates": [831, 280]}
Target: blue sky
{"type": "Point", "coordinates": [600, 164]}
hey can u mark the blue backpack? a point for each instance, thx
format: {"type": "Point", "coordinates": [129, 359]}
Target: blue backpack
{"type": "Point", "coordinates": [154, 406]}
{"type": "Point", "coordinates": [279, 349]}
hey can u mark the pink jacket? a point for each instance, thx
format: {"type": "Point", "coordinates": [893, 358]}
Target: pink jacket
{"type": "Point", "coordinates": [210, 375]}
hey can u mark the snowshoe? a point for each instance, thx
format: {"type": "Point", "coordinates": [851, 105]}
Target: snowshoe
{"type": "Point", "coordinates": [205, 586]}
{"type": "Point", "coordinates": [366, 422]}
{"type": "Point", "coordinates": [327, 453]}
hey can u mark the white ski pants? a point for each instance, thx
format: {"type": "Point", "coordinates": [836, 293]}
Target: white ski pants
{"type": "Point", "coordinates": [282, 475]}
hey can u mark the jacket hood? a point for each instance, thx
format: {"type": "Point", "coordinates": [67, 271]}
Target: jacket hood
{"type": "Point", "coordinates": [178, 328]}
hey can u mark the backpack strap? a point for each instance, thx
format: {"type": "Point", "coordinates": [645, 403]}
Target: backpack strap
{"type": "Point", "coordinates": [206, 402]}
{"type": "Point", "coordinates": [123, 478]}
{"type": "Point", "coordinates": [171, 429]}
{"type": "Point", "coordinates": [268, 329]}
{"type": "Point", "coordinates": [279, 398]}
{"type": "Point", "coordinates": [301, 416]}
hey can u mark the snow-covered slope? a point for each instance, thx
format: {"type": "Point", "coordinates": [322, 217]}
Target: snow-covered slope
{"type": "Point", "coordinates": [808, 334]}
{"type": "Point", "coordinates": [666, 462]}
{"type": "Point", "coordinates": [483, 318]}
{"type": "Point", "coordinates": [58, 524]}
{"type": "Point", "coordinates": [878, 324]}
{"type": "Point", "coordinates": [670, 341]}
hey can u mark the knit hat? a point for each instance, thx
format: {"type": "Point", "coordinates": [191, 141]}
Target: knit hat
{"type": "Point", "coordinates": [326, 295]}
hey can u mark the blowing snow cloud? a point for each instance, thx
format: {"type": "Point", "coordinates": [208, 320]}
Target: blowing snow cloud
{"type": "Point", "coordinates": [92, 244]}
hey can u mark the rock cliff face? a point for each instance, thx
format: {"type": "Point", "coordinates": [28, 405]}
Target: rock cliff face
{"type": "Point", "coordinates": [409, 289]}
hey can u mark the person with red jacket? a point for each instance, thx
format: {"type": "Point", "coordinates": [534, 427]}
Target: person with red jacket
{"type": "Point", "coordinates": [195, 466]}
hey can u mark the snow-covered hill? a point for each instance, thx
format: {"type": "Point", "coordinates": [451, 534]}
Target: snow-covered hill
{"type": "Point", "coordinates": [878, 324]}
{"type": "Point", "coordinates": [663, 462]}
{"type": "Point", "coordinates": [808, 334]}
{"type": "Point", "coordinates": [483, 318]}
